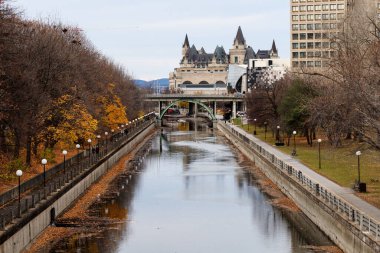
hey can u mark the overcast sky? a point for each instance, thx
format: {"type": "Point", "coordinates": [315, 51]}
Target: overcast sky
{"type": "Point", "coordinates": [146, 36]}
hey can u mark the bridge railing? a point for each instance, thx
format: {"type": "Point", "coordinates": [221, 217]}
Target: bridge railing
{"type": "Point", "coordinates": [362, 221]}
{"type": "Point", "coordinates": [35, 190]}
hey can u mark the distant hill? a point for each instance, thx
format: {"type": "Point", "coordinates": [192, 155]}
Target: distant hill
{"type": "Point", "coordinates": [163, 83]}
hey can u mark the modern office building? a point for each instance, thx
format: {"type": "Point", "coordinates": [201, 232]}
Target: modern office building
{"type": "Point", "coordinates": [315, 22]}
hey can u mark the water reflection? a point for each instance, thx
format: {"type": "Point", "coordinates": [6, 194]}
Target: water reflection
{"type": "Point", "coordinates": [193, 196]}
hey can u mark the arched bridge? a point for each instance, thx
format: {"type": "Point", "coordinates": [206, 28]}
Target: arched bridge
{"type": "Point", "coordinates": [197, 100]}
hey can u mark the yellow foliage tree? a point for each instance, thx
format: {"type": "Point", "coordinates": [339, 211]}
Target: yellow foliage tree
{"type": "Point", "coordinates": [72, 125]}
{"type": "Point", "coordinates": [113, 111]}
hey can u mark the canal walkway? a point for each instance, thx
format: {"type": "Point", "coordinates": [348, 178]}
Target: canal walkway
{"type": "Point", "coordinates": [355, 210]}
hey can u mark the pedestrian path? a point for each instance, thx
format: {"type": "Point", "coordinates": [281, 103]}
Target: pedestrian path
{"type": "Point", "coordinates": [344, 193]}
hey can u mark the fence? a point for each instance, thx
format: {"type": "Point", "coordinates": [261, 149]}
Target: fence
{"type": "Point", "coordinates": [37, 189]}
{"type": "Point", "coordinates": [347, 211]}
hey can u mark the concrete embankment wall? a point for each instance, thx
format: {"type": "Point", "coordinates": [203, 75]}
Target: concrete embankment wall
{"type": "Point", "coordinates": [29, 229]}
{"type": "Point", "coordinates": [338, 225]}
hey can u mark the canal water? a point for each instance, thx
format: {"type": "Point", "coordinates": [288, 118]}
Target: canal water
{"type": "Point", "coordinates": [191, 195]}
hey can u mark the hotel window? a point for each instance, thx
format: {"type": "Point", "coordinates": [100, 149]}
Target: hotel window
{"type": "Point", "coordinates": [317, 35]}
{"type": "Point", "coordinates": [303, 8]}
{"type": "Point", "coordinates": [340, 16]}
{"type": "Point", "coordinates": [317, 7]}
{"type": "Point", "coordinates": [318, 44]}
{"type": "Point", "coordinates": [325, 54]}
{"type": "Point", "coordinates": [310, 45]}
{"type": "Point", "coordinates": [318, 16]}
{"type": "Point", "coordinates": [295, 8]}
{"type": "Point", "coordinates": [333, 7]}
{"type": "Point", "coordinates": [310, 26]}
{"type": "Point", "coordinates": [333, 26]}
{"type": "Point", "coordinates": [302, 54]}
{"type": "Point", "coordinates": [295, 45]}
{"type": "Point", "coordinates": [310, 17]}
{"type": "Point", "coordinates": [302, 36]}
{"type": "Point", "coordinates": [333, 16]}
{"type": "Point", "coordinates": [317, 54]}
{"type": "Point", "coordinates": [340, 6]}
{"type": "Point", "coordinates": [303, 45]}
{"type": "Point", "coordinates": [295, 17]}
{"type": "Point", "coordinates": [310, 54]}
{"type": "Point", "coordinates": [295, 36]}
{"type": "Point", "coordinates": [295, 1]}
{"type": "Point", "coordinates": [318, 64]}
{"type": "Point", "coordinates": [295, 27]}
{"type": "Point", "coordinates": [325, 16]}
{"type": "Point", "coordinates": [302, 17]}
{"type": "Point", "coordinates": [310, 36]}
{"type": "Point", "coordinates": [326, 45]}
{"type": "Point", "coordinates": [318, 26]}
{"type": "Point", "coordinates": [295, 64]}
{"type": "Point", "coordinates": [310, 8]}
{"type": "Point", "coordinates": [325, 7]}
{"type": "Point", "coordinates": [310, 64]}
{"type": "Point", "coordinates": [302, 27]}
{"type": "Point", "coordinates": [295, 54]}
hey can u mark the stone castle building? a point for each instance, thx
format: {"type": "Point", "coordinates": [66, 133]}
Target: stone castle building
{"type": "Point", "coordinates": [207, 73]}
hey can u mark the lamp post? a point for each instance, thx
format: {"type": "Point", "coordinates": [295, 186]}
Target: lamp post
{"type": "Point", "coordinates": [78, 147]}
{"type": "Point", "coordinates": [106, 134]}
{"type": "Point", "coordinates": [44, 162]}
{"type": "Point", "coordinates": [319, 153]}
{"type": "Point", "coordinates": [294, 153]}
{"type": "Point", "coordinates": [19, 174]}
{"type": "Point", "coordinates": [89, 151]}
{"type": "Point", "coordinates": [278, 134]}
{"type": "Point", "coordinates": [64, 152]}
{"type": "Point", "coordinates": [358, 154]}
{"type": "Point", "coordinates": [254, 121]}
{"type": "Point", "coordinates": [265, 130]}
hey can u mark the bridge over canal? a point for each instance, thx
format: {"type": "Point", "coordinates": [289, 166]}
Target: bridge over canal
{"type": "Point", "coordinates": [166, 101]}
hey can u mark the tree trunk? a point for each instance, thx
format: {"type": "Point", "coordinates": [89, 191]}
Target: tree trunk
{"type": "Point", "coordinates": [16, 151]}
{"type": "Point", "coordinates": [28, 150]}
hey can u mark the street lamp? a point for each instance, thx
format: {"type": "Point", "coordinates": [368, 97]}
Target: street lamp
{"type": "Point", "coordinates": [254, 132]}
{"type": "Point", "coordinates": [278, 134]}
{"type": "Point", "coordinates": [78, 147]}
{"type": "Point", "coordinates": [89, 150]}
{"type": "Point", "coordinates": [106, 134]}
{"type": "Point", "coordinates": [294, 153]}
{"type": "Point", "coordinates": [265, 130]}
{"type": "Point", "coordinates": [19, 174]}
{"type": "Point", "coordinates": [319, 153]}
{"type": "Point", "coordinates": [358, 154]}
{"type": "Point", "coordinates": [44, 162]}
{"type": "Point", "coordinates": [64, 152]}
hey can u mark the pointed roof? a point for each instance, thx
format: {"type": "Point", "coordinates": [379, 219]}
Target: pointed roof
{"type": "Point", "coordinates": [274, 48]}
{"type": "Point", "coordinates": [239, 39]}
{"type": "Point", "coordinates": [186, 42]}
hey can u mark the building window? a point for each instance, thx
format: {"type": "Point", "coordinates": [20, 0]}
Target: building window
{"type": "Point", "coordinates": [295, 54]}
{"type": "Point", "coordinates": [295, 36]}
{"type": "Point", "coordinates": [236, 59]}
{"type": "Point", "coordinates": [295, 17]}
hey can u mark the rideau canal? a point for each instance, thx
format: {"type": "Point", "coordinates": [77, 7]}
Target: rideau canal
{"type": "Point", "coordinates": [192, 194]}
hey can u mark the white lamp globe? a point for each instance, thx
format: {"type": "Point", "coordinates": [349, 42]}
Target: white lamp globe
{"type": "Point", "coordinates": [44, 161]}
{"type": "Point", "coordinates": [19, 173]}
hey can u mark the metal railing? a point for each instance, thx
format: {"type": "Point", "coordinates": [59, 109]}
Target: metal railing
{"type": "Point", "coordinates": [347, 211]}
{"type": "Point", "coordinates": [57, 177]}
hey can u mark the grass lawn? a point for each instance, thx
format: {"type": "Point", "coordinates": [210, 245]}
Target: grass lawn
{"type": "Point", "coordinates": [338, 164]}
